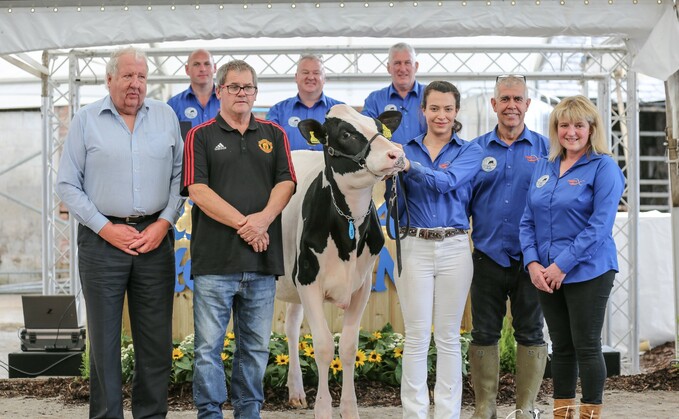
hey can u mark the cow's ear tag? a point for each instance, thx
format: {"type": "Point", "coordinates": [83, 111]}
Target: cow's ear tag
{"type": "Point", "coordinates": [386, 132]}
{"type": "Point", "coordinates": [312, 138]}
{"type": "Point", "coordinates": [352, 230]}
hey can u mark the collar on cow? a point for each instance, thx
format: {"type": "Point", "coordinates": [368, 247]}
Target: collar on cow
{"type": "Point", "coordinates": [352, 229]}
{"type": "Point", "coordinates": [358, 158]}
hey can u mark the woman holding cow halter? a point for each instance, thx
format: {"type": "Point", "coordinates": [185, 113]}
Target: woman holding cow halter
{"type": "Point", "coordinates": [437, 263]}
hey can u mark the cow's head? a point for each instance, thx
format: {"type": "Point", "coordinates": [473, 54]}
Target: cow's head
{"type": "Point", "coordinates": [353, 142]}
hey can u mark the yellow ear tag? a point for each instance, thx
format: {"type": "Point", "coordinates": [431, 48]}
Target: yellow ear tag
{"type": "Point", "coordinates": [313, 139]}
{"type": "Point", "coordinates": [386, 132]}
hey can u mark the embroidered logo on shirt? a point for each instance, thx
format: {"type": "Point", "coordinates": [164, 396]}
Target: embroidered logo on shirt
{"type": "Point", "coordinates": [532, 158]}
{"type": "Point", "coordinates": [265, 145]}
{"type": "Point", "coordinates": [293, 121]}
{"type": "Point", "coordinates": [220, 146]}
{"type": "Point", "coordinates": [489, 164]}
{"type": "Point", "coordinates": [390, 107]}
{"type": "Point", "coordinates": [444, 165]}
{"type": "Point", "coordinates": [575, 182]}
{"type": "Point", "coordinates": [542, 181]}
{"type": "Point", "coordinates": [190, 112]}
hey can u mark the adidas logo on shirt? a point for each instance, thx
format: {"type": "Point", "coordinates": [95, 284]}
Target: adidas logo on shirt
{"type": "Point", "coordinates": [220, 146]}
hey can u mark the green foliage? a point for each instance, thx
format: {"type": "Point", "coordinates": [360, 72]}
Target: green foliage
{"type": "Point", "coordinates": [378, 358]}
{"type": "Point", "coordinates": [85, 362]}
{"type": "Point", "coordinates": [507, 347]}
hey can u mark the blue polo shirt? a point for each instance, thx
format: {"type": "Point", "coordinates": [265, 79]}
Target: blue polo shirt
{"type": "Point", "coordinates": [388, 99]}
{"type": "Point", "coordinates": [188, 108]}
{"type": "Point", "coordinates": [438, 191]}
{"type": "Point", "coordinates": [289, 112]}
{"type": "Point", "coordinates": [569, 220]}
{"type": "Point", "coordinates": [499, 192]}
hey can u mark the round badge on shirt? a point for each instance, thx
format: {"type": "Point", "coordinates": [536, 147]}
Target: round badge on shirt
{"type": "Point", "coordinates": [542, 181]}
{"type": "Point", "coordinates": [190, 112]}
{"type": "Point", "coordinates": [293, 121]}
{"type": "Point", "coordinates": [489, 164]}
{"type": "Point", "coordinates": [390, 107]}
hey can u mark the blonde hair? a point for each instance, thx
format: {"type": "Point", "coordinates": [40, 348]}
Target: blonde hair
{"type": "Point", "coordinates": [577, 108]}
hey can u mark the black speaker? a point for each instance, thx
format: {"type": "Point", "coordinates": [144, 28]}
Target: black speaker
{"type": "Point", "coordinates": [34, 364]}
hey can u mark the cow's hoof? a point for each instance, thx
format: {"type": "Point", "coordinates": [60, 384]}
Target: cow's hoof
{"type": "Point", "coordinates": [298, 402]}
{"type": "Point", "coordinates": [349, 411]}
{"type": "Point", "coordinates": [323, 410]}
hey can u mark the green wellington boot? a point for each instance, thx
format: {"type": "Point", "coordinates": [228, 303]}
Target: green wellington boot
{"type": "Point", "coordinates": [530, 368]}
{"type": "Point", "coordinates": [485, 370]}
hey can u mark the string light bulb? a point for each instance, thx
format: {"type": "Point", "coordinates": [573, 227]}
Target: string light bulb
{"type": "Point", "coordinates": [537, 2]}
{"type": "Point", "coordinates": [245, 6]}
{"type": "Point", "coordinates": [56, 9]}
{"type": "Point", "coordinates": [562, 2]}
{"type": "Point", "coordinates": [102, 8]}
{"type": "Point", "coordinates": [173, 7]}
{"type": "Point", "coordinates": [149, 8]}
{"type": "Point", "coordinates": [197, 6]}
{"type": "Point", "coordinates": [126, 8]}
{"type": "Point", "coordinates": [391, 4]}
{"type": "Point", "coordinates": [440, 3]}
{"type": "Point", "coordinates": [610, 1]}
{"type": "Point", "coordinates": [221, 7]}
{"type": "Point", "coordinates": [488, 3]}
{"type": "Point", "coordinates": [269, 6]}
{"type": "Point", "coordinates": [293, 5]}
{"type": "Point", "coordinates": [586, 2]}
{"type": "Point", "coordinates": [341, 4]}
{"type": "Point", "coordinates": [366, 4]}
{"type": "Point", "coordinates": [414, 4]}
{"type": "Point", "coordinates": [464, 2]}
{"type": "Point", "coordinates": [9, 10]}
{"type": "Point", "coordinates": [79, 8]}
{"type": "Point", "coordinates": [318, 5]}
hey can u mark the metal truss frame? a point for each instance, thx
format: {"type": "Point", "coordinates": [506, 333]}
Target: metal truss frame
{"type": "Point", "coordinates": [551, 70]}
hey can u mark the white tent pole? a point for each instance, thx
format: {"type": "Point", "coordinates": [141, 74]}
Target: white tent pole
{"type": "Point", "coordinates": [672, 113]}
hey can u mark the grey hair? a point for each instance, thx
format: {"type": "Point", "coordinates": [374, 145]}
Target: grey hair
{"type": "Point", "coordinates": [112, 64]}
{"type": "Point", "coordinates": [402, 46]}
{"type": "Point", "coordinates": [235, 65]}
{"type": "Point", "coordinates": [511, 81]}
{"type": "Point", "coordinates": [314, 57]}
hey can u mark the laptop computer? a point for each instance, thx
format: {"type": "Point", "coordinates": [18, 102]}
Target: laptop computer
{"type": "Point", "coordinates": [49, 312]}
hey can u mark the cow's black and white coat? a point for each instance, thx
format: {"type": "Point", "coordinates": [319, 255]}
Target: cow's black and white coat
{"type": "Point", "coordinates": [323, 262]}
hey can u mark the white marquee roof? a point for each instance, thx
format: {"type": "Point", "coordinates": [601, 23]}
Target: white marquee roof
{"type": "Point", "coordinates": [38, 25]}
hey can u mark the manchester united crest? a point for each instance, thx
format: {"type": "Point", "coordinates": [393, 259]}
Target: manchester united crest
{"type": "Point", "coordinates": [265, 145]}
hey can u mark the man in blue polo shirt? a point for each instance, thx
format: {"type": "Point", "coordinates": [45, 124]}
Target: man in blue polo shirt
{"type": "Point", "coordinates": [309, 103]}
{"type": "Point", "coordinates": [511, 152]}
{"type": "Point", "coordinates": [404, 94]}
{"type": "Point", "coordinates": [199, 102]}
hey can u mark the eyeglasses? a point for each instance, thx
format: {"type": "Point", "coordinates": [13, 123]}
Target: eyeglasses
{"type": "Point", "coordinates": [235, 89]}
{"type": "Point", "coordinates": [510, 76]}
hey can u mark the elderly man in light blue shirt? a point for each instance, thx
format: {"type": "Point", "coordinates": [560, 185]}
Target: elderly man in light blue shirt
{"type": "Point", "coordinates": [119, 177]}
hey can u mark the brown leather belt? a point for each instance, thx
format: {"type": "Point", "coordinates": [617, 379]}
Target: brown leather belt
{"type": "Point", "coordinates": [432, 233]}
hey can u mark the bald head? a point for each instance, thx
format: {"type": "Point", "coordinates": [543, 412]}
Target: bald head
{"type": "Point", "coordinates": [200, 67]}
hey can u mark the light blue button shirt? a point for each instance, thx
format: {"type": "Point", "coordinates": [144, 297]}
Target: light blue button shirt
{"type": "Point", "coordinates": [569, 220]}
{"type": "Point", "coordinates": [107, 170]}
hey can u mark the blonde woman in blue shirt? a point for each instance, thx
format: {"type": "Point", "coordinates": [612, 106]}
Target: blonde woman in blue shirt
{"type": "Point", "coordinates": [437, 263]}
{"type": "Point", "coordinates": [568, 248]}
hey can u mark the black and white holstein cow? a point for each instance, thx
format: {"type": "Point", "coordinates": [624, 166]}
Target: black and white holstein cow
{"type": "Point", "coordinates": [331, 239]}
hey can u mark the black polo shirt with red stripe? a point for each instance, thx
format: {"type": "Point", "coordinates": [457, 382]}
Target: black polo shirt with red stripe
{"type": "Point", "coordinates": [243, 170]}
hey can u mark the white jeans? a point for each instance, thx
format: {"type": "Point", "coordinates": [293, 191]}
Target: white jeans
{"type": "Point", "coordinates": [433, 286]}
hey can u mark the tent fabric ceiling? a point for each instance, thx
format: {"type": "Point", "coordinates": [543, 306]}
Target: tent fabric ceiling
{"type": "Point", "coordinates": [23, 30]}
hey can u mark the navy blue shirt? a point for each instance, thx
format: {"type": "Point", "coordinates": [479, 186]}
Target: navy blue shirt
{"type": "Point", "coordinates": [289, 112]}
{"type": "Point", "coordinates": [499, 192]}
{"type": "Point", "coordinates": [569, 220]}
{"type": "Point", "coordinates": [388, 99]}
{"type": "Point", "coordinates": [188, 108]}
{"type": "Point", "coordinates": [438, 191]}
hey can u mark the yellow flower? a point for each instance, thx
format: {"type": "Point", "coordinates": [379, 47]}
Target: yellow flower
{"type": "Point", "coordinates": [230, 335]}
{"type": "Point", "coordinates": [177, 354]}
{"type": "Point", "coordinates": [309, 351]}
{"type": "Point", "coordinates": [225, 356]}
{"type": "Point", "coordinates": [307, 337]}
{"type": "Point", "coordinates": [360, 358]}
{"type": "Point", "coordinates": [374, 357]}
{"type": "Point", "coordinates": [398, 352]}
{"type": "Point", "coordinates": [282, 359]}
{"type": "Point", "coordinates": [303, 345]}
{"type": "Point", "coordinates": [463, 331]}
{"type": "Point", "coordinates": [226, 342]}
{"type": "Point", "coordinates": [336, 365]}
{"type": "Point", "coordinates": [285, 338]}
{"type": "Point", "coordinates": [376, 335]}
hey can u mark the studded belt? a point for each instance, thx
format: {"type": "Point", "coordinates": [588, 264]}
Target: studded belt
{"type": "Point", "coordinates": [433, 233]}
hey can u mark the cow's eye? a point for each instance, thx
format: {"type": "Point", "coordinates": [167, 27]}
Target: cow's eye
{"type": "Point", "coordinates": [346, 135]}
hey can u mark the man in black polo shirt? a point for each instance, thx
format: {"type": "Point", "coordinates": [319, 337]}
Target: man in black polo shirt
{"type": "Point", "coordinates": [238, 172]}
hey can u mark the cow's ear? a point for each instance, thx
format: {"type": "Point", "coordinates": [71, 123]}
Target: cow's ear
{"type": "Point", "coordinates": [313, 132]}
{"type": "Point", "coordinates": [391, 120]}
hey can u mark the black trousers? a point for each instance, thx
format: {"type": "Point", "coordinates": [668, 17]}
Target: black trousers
{"type": "Point", "coordinates": [575, 316]}
{"type": "Point", "coordinates": [106, 274]}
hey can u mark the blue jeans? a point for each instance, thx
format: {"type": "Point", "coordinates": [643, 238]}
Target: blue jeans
{"type": "Point", "coordinates": [251, 297]}
{"type": "Point", "coordinates": [491, 286]}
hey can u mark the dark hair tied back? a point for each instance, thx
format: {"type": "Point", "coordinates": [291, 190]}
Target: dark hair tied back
{"type": "Point", "coordinates": [443, 86]}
